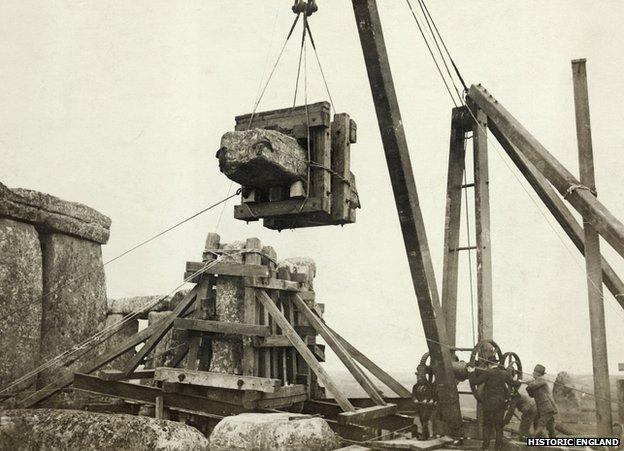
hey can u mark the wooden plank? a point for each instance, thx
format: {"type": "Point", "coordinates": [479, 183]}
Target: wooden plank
{"type": "Point", "coordinates": [485, 324]}
{"type": "Point", "coordinates": [222, 327]}
{"type": "Point", "coordinates": [229, 269]}
{"type": "Point", "coordinates": [221, 380]}
{"type": "Point", "coordinates": [559, 210]}
{"type": "Point", "coordinates": [340, 165]}
{"type": "Point", "coordinates": [159, 411]}
{"type": "Point", "coordinates": [315, 204]}
{"type": "Point", "coordinates": [582, 200]}
{"type": "Point", "coordinates": [408, 207]}
{"type": "Point", "coordinates": [117, 375]}
{"type": "Point", "coordinates": [452, 222]}
{"type": "Point", "coordinates": [287, 329]}
{"type": "Point", "coordinates": [146, 394]}
{"type": "Point", "coordinates": [273, 284]}
{"type": "Point", "coordinates": [320, 153]}
{"type": "Point", "coordinates": [339, 350]}
{"type": "Point", "coordinates": [352, 131]}
{"type": "Point", "coordinates": [367, 414]}
{"type": "Point", "coordinates": [204, 290]}
{"type": "Point", "coordinates": [160, 332]}
{"type": "Point", "coordinates": [593, 263]}
{"type": "Point", "coordinates": [251, 310]}
{"type": "Point", "coordinates": [64, 381]}
{"type": "Point", "coordinates": [375, 370]}
{"type": "Point", "coordinates": [291, 121]}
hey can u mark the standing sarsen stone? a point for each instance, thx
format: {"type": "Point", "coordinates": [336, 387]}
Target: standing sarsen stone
{"type": "Point", "coordinates": [20, 299]}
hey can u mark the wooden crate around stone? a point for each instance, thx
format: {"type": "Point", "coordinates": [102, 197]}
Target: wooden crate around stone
{"type": "Point", "coordinates": [268, 154]}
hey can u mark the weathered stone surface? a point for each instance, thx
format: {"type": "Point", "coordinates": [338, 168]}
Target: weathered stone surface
{"type": "Point", "coordinates": [51, 214]}
{"type": "Point", "coordinates": [21, 289]}
{"type": "Point", "coordinates": [301, 269]}
{"type": "Point", "coordinates": [74, 297]}
{"type": "Point", "coordinates": [262, 158]}
{"type": "Point", "coordinates": [43, 429]}
{"type": "Point", "coordinates": [129, 328]}
{"type": "Point", "coordinates": [227, 351]}
{"type": "Point", "coordinates": [273, 431]}
{"type": "Point", "coordinates": [144, 304]}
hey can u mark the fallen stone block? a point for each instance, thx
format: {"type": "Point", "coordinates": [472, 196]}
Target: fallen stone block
{"type": "Point", "coordinates": [40, 429]}
{"type": "Point", "coordinates": [273, 431]}
{"type": "Point", "coordinates": [259, 158]}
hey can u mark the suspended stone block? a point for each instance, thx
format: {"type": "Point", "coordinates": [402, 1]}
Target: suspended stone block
{"type": "Point", "coordinates": [259, 158]}
{"type": "Point", "coordinates": [21, 289]}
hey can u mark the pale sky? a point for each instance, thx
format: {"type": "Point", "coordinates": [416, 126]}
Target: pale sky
{"type": "Point", "coordinates": [121, 105]}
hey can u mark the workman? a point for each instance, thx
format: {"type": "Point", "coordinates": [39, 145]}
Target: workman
{"type": "Point", "coordinates": [498, 384]}
{"type": "Point", "coordinates": [539, 390]}
{"type": "Point", "coordinates": [527, 408]}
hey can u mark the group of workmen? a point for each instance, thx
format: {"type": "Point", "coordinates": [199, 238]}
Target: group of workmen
{"type": "Point", "coordinates": [500, 399]}
{"type": "Point", "coordinates": [499, 391]}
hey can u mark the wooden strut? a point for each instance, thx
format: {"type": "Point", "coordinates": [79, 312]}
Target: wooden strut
{"type": "Point", "coordinates": [598, 336]}
{"type": "Point", "coordinates": [559, 210]}
{"type": "Point", "coordinates": [407, 203]}
{"type": "Point", "coordinates": [303, 350]}
{"type": "Point", "coordinates": [340, 351]}
{"type": "Point", "coordinates": [581, 198]}
{"type": "Point", "coordinates": [376, 371]}
{"type": "Point", "coordinates": [102, 360]}
{"type": "Point", "coordinates": [452, 220]}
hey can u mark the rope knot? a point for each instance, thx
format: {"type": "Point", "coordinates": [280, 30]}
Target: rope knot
{"type": "Point", "coordinates": [573, 188]}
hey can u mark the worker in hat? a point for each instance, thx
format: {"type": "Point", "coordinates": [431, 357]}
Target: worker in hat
{"type": "Point", "coordinates": [539, 390]}
{"type": "Point", "coordinates": [498, 384]}
{"type": "Point", "coordinates": [425, 398]}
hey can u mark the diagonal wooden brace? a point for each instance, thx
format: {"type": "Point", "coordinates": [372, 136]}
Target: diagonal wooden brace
{"type": "Point", "coordinates": [297, 342]}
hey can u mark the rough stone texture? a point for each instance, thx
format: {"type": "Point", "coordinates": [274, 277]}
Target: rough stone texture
{"type": "Point", "coordinates": [262, 158]}
{"type": "Point", "coordinates": [273, 431]}
{"type": "Point", "coordinates": [51, 214]}
{"type": "Point", "coordinates": [21, 289]}
{"type": "Point", "coordinates": [74, 297]}
{"type": "Point", "coordinates": [300, 266]}
{"type": "Point", "coordinates": [130, 328]}
{"type": "Point", "coordinates": [147, 304]}
{"type": "Point", "coordinates": [43, 429]}
{"type": "Point", "coordinates": [227, 351]}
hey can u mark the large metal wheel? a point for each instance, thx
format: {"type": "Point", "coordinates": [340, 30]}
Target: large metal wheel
{"type": "Point", "coordinates": [512, 363]}
{"type": "Point", "coordinates": [485, 353]}
{"type": "Point", "coordinates": [425, 369]}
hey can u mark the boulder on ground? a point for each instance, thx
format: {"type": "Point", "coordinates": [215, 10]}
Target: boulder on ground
{"type": "Point", "coordinates": [41, 429]}
{"type": "Point", "coordinates": [273, 431]}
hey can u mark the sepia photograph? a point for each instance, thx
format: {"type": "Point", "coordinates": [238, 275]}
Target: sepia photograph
{"type": "Point", "coordinates": [311, 225]}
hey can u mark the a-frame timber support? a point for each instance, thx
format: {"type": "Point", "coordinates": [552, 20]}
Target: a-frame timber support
{"type": "Point", "coordinates": [547, 175]}
{"type": "Point", "coordinates": [410, 216]}
{"type": "Point", "coordinates": [463, 122]}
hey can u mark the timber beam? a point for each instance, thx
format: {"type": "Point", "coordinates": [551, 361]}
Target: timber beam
{"type": "Point", "coordinates": [408, 207]}
{"type": "Point", "coordinates": [559, 210]}
{"type": "Point", "coordinates": [581, 198]}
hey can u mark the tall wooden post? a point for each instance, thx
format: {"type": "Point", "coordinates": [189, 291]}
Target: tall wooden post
{"type": "Point", "coordinates": [482, 228]}
{"type": "Point", "coordinates": [410, 216]}
{"type": "Point", "coordinates": [593, 260]}
{"type": "Point", "coordinates": [452, 220]}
